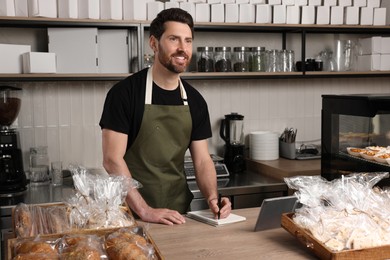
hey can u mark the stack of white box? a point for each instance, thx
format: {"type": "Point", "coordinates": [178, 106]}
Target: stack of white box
{"type": "Point", "coordinates": [335, 12]}
{"type": "Point", "coordinates": [375, 54]}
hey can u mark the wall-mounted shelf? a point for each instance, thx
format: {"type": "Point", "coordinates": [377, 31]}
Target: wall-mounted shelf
{"type": "Point", "coordinates": [139, 27]}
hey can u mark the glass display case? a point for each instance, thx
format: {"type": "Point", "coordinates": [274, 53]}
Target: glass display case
{"type": "Point", "coordinates": [355, 135]}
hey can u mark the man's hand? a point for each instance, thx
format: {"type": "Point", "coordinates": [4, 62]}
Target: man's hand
{"type": "Point", "coordinates": [163, 216]}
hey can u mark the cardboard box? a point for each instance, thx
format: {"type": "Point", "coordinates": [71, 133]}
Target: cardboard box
{"type": "Point", "coordinates": [288, 2]}
{"type": "Point", "coordinates": [263, 14]}
{"type": "Point", "coordinates": [39, 62]}
{"type": "Point", "coordinates": [274, 2]}
{"type": "Point", "coordinates": [231, 13]}
{"type": "Point", "coordinates": [345, 3]}
{"type": "Point", "coordinates": [374, 3]}
{"type": "Point", "coordinates": [352, 15]}
{"type": "Point", "coordinates": [189, 7]}
{"type": "Point", "coordinates": [308, 15]}
{"type": "Point", "coordinates": [153, 8]}
{"type": "Point", "coordinates": [213, 1]}
{"type": "Point", "coordinates": [228, 1]}
{"type": "Point", "coordinates": [301, 2]}
{"type": "Point", "coordinates": [371, 45]}
{"type": "Point", "coordinates": [315, 2]}
{"type": "Point", "coordinates": [113, 51]}
{"type": "Point", "coordinates": [111, 9]}
{"type": "Point", "coordinates": [279, 14]}
{"type": "Point", "coordinates": [242, 2]}
{"type": "Point", "coordinates": [42, 8]}
{"type": "Point", "coordinates": [218, 13]}
{"type": "Point", "coordinates": [255, 2]}
{"type": "Point", "coordinates": [369, 62]}
{"type": "Point", "coordinates": [7, 8]}
{"type": "Point", "coordinates": [385, 61]}
{"type": "Point", "coordinates": [359, 3]}
{"type": "Point", "coordinates": [202, 13]}
{"type": "Point", "coordinates": [380, 16]}
{"type": "Point", "coordinates": [21, 8]}
{"type": "Point", "coordinates": [76, 49]}
{"type": "Point", "coordinates": [89, 9]}
{"type": "Point", "coordinates": [168, 5]}
{"type": "Point", "coordinates": [68, 9]}
{"type": "Point", "coordinates": [11, 57]}
{"type": "Point", "coordinates": [246, 13]}
{"type": "Point", "coordinates": [135, 9]}
{"type": "Point", "coordinates": [385, 45]}
{"type": "Point", "coordinates": [336, 15]}
{"type": "Point", "coordinates": [323, 15]}
{"type": "Point", "coordinates": [330, 3]}
{"type": "Point", "coordinates": [293, 14]}
{"type": "Point", "coordinates": [366, 16]}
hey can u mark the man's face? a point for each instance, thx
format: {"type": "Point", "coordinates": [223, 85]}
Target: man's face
{"type": "Point", "coordinates": [174, 49]}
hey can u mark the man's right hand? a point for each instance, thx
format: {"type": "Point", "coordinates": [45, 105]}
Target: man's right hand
{"type": "Point", "coordinates": [162, 216]}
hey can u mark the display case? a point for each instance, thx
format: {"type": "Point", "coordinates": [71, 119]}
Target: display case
{"type": "Point", "coordinates": [355, 135]}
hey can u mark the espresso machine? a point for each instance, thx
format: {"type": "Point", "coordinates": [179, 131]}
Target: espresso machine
{"type": "Point", "coordinates": [12, 176]}
{"type": "Point", "coordinates": [232, 132]}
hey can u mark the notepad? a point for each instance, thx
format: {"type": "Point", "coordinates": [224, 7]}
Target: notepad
{"type": "Point", "coordinates": [206, 216]}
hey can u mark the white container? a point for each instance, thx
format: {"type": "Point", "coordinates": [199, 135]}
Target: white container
{"type": "Point", "coordinates": [385, 61]}
{"type": "Point", "coordinates": [247, 13]}
{"type": "Point", "coordinates": [293, 14]}
{"type": "Point", "coordinates": [168, 5]}
{"type": "Point", "coordinates": [330, 3]}
{"type": "Point", "coordinates": [374, 3]}
{"type": "Point", "coordinates": [39, 62]}
{"type": "Point", "coordinates": [202, 13]}
{"type": "Point", "coordinates": [113, 51]}
{"type": "Point", "coordinates": [228, 1]}
{"type": "Point", "coordinates": [21, 8]}
{"type": "Point", "coordinates": [323, 15]}
{"type": "Point", "coordinates": [315, 2]}
{"type": "Point", "coordinates": [263, 14]}
{"type": "Point", "coordinates": [213, 1]}
{"type": "Point", "coordinates": [380, 16]}
{"type": "Point", "coordinates": [153, 8]}
{"type": "Point", "coordinates": [371, 45]}
{"type": "Point", "coordinates": [279, 14]}
{"type": "Point", "coordinates": [76, 49]}
{"type": "Point", "coordinates": [197, 1]}
{"type": "Point", "coordinates": [352, 15]}
{"type": "Point", "coordinates": [301, 2]}
{"type": "Point", "coordinates": [369, 62]}
{"type": "Point", "coordinates": [367, 16]}
{"type": "Point", "coordinates": [111, 9]}
{"type": "Point", "coordinates": [288, 2]}
{"type": "Point", "coordinates": [7, 8]}
{"type": "Point", "coordinates": [189, 7]}
{"type": "Point", "coordinates": [359, 3]}
{"type": "Point", "coordinates": [345, 3]}
{"type": "Point", "coordinates": [242, 1]}
{"type": "Point", "coordinates": [89, 9]}
{"type": "Point", "coordinates": [257, 2]}
{"type": "Point", "coordinates": [274, 2]}
{"type": "Point", "coordinates": [308, 15]}
{"type": "Point", "coordinates": [135, 9]}
{"type": "Point", "coordinates": [11, 57]}
{"type": "Point", "coordinates": [68, 9]}
{"type": "Point", "coordinates": [385, 45]}
{"type": "Point", "coordinates": [218, 13]}
{"type": "Point", "coordinates": [263, 145]}
{"type": "Point", "coordinates": [42, 8]}
{"type": "Point", "coordinates": [336, 15]}
{"type": "Point", "coordinates": [231, 13]}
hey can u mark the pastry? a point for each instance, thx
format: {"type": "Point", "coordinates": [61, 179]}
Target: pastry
{"type": "Point", "coordinates": [80, 252]}
{"type": "Point", "coordinates": [34, 247]}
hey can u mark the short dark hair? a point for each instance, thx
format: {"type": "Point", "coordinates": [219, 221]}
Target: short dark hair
{"type": "Point", "coordinates": [157, 27]}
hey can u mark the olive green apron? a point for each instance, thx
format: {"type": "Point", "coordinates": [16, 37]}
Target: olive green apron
{"type": "Point", "coordinates": [156, 158]}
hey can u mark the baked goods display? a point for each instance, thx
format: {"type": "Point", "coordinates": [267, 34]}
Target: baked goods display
{"type": "Point", "coordinates": [120, 244]}
{"type": "Point", "coordinates": [344, 214]}
{"type": "Point", "coordinates": [379, 154]}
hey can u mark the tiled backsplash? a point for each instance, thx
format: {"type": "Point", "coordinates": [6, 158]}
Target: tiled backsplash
{"type": "Point", "coordinates": [65, 115]}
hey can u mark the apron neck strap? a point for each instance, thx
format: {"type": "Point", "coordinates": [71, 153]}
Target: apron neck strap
{"type": "Point", "coordinates": [149, 89]}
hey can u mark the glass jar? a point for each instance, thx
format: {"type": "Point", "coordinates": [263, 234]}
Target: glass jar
{"type": "Point", "coordinates": [148, 60]}
{"type": "Point", "coordinates": [274, 64]}
{"type": "Point", "coordinates": [287, 61]}
{"type": "Point", "coordinates": [258, 59]}
{"type": "Point", "coordinates": [241, 59]}
{"type": "Point", "coordinates": [39, 165]}
{"type": "Point", "coordinates": [223, 59]}
{"type": "Point", "coordinates": [205, 59]}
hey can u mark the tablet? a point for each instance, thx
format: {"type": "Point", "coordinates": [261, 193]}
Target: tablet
{"type": "Point", "coordinates": [272, 209]}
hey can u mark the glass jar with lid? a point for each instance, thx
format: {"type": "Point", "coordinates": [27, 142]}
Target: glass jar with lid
{"type": "Point", "coordinates": [241, 59]}
{"type": "Point", "coordinates": [258, 59]}
{"type": "Point", "coordinates": [223, 59]}
{"type": "Point", "coordinates": [205, 59]}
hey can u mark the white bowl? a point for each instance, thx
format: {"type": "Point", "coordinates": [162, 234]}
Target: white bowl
{"type": "Point", "coordinates": [355, 151]}
{"type": "Point", "coordinates": [369, 156]}
{"type": "Point", "coordinates": [382, 157]}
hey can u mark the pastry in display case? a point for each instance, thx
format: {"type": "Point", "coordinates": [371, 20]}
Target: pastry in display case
{"type": "Point", "coordinates": [355, 135]}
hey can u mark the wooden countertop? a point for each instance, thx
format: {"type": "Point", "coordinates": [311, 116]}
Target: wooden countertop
{"type": "Point", "coordinates": [282, 167]}
{"type": "Point", "coordinates": [196, 240]}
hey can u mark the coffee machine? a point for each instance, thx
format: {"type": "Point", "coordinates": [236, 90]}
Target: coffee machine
{"type": "Point", "coordinates": [232, 132]}
{"type": "Point", "coordinates": [12, 176]}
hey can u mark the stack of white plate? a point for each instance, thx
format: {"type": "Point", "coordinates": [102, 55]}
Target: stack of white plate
{"type": "Point", "coordinates": [263, 145]}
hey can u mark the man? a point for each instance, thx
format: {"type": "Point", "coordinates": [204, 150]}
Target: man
{"type": "Point", "coordinates": [149, 121]}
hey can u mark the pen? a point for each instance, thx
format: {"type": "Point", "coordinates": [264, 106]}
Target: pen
{"type": "Point", "coordinates": [219, 205]}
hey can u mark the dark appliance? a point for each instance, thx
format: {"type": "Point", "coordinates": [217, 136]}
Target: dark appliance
{"type": "Point", "coordinates": [354, 121]}
{"type": "Point", "coordinates": [232, 132]}
{"type": "Point", "coordinates": [12, 176]}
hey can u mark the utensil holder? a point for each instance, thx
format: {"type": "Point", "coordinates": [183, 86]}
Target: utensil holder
{"type": "Point", "coordinates": [287, 150]}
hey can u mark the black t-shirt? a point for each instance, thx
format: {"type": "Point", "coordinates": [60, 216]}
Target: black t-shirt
{"type": "Point", "coordinates": [124, 107]}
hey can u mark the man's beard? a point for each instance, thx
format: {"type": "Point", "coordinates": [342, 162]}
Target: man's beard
{"type": "Point", "coordinates": [168, 63]}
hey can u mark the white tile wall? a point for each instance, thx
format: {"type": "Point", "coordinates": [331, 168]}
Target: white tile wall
{"type": "Point", "coordinates": [65, 115]}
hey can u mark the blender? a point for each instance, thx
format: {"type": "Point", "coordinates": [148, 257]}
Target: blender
{"type": "Point", "coordinates": [12, 176]}
{"type": "Point", "coordinates": [232, 132]}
